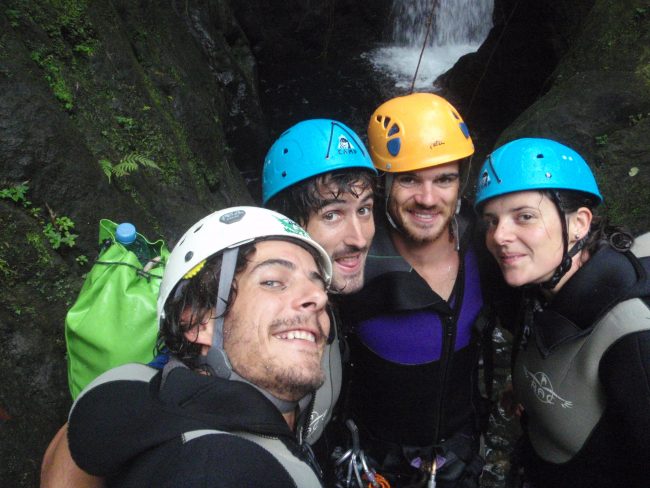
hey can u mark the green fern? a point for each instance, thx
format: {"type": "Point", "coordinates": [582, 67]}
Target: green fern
{"type": "Point", "coordinates": [107, 168]}
{"type": "Point", "coordinates": [127, 165]}
{"type": "Point", "coordinates": [124, 168]}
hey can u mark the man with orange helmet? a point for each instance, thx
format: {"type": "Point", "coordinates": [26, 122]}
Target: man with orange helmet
{"type": "Point", "coordinates": [413, 389]}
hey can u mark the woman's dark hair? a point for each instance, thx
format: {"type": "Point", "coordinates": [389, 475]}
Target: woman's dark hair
{"type": "Point", "coordinates": [299, 201]}
{"type": "Point", "coordinates": [199, 294]}
{"type": "Point", "coordinates": [601, 231]}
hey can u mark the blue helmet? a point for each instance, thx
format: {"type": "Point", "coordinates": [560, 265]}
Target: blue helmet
{"type": "Point", "coordinates": [534, 164]}
{"type": "Point", "coordinates": [310, 148]}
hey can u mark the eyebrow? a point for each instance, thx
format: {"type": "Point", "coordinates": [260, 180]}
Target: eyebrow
{"type": "Point", "coordinates": [414, 174]}
{"type": "Point", "coordinates": [313, 275]}
{"type": "Point", "coordinates": [333, 201]}
{"type": "Point", "coordinates": [515, 209]}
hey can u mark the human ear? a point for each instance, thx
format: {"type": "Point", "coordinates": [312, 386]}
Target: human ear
{"type": "Point", "coordinates": [201, 333]}
{"type": "Point", "coordinates": [580, 223]}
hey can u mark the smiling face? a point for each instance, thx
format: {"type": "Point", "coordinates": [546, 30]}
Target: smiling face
{"type": "Point", "coordinates": [277, 327]}
{"type": "Point", "coordinates": [344, 226]}
{"type": "Point", "coordinates": [423, 202]}
{"type": "Point", "coordinates": [524, 234]}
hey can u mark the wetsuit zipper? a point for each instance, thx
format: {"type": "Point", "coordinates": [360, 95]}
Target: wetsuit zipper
{"type": "Point", "coordinates": [448, 342]}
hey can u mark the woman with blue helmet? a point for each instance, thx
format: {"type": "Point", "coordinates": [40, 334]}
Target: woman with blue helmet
{"type": "Point", "coordinates": [581, 359]}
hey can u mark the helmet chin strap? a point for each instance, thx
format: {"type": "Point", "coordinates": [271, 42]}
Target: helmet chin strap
{"type": "Point", "coordinates": [567, 258]}
{"type": "Point", "coordinates": [216, 361]}
{"type": "Point", "coordinates": [389, 184]}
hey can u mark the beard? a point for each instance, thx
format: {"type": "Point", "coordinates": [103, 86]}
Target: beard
{"type": "Point", "coordinates": [420, 234]}
{"type": "Point", "coordinates": [349, 283]}
{"type": "Point", "coordinates": [268, 371]}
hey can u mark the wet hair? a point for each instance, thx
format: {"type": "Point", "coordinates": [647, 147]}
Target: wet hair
{"type": "Point", "coordinates": [601, 232]}
{"type": "Point", "coordinates": [199, 295]}
{"type": "Point", "coordinates": [299, 201]}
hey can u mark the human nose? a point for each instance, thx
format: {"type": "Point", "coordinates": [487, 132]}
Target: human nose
{"type": "Point", "coordinates": [501, 233]}
{"type": "Point", "coordinates": [426, 195]}
{"type": "Point", "coordinates": [312, 300]}
{"type": "Point", "coordinates": [311, 296]}
{"type": "Point", "coordinates": [357, 232]}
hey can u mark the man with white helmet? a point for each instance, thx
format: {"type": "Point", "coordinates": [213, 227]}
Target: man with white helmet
{"type": "Point", "coordinates": [414, 392]}
{"type": "Point", "coordinates": [242, 310]}
{"type": "Point", "coordinates": [319, 174]}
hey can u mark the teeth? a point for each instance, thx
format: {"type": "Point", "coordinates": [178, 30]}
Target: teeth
{"type": "Point", "coordinates": [299, 334]}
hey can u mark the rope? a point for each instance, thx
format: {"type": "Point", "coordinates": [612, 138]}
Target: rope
{"type": "Point", "coordinates": [424, 44]}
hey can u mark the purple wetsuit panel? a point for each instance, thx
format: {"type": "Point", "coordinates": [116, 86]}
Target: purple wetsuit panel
{"type": "Point", "coordinates": [416, 337]}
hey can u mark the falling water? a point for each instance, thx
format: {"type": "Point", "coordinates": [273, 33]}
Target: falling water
{"type": "Point", "coordinates": [459, 27]}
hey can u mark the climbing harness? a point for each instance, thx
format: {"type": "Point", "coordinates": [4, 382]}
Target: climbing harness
{"type": "Point", "coordinates": [352, 468]}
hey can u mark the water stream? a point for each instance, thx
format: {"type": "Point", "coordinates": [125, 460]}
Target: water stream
{"type": "Point", "coordinates": [458, 27]}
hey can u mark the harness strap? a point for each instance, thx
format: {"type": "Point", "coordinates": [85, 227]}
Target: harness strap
{"type": "Point", "coordinates": [300, 472]}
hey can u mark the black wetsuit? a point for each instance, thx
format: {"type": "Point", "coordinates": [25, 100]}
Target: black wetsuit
{"type": "Point", "coordinates": [137, 434]}
{"type": "Point", "coordinates": [583, 375]}
{"type": "Point", "coordinates": [414, 375]}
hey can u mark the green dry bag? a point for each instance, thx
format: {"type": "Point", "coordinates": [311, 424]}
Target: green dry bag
{"type": "Point", "coordinates": [113, 321]}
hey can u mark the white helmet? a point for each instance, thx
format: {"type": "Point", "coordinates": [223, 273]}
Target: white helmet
{"type": "Point", "coordinates": [225, 231]}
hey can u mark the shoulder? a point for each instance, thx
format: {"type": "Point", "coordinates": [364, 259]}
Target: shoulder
{"type": "Point", "coordinates": [221, 460]}
{"type": "Point", "coordinates": [100, 413]}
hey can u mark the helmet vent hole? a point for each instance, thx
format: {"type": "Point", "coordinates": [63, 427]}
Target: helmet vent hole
{"type": "Point", "coordinates": [198, 229]}
{"type": "Point", "coordinates": [386, 121]}
{"type": "Point", "coordinates": [455, 115]}
{"type": "Point", "coordinates": [540, 156]}
{"type": "Point", "coordinates": [394, 146]}
{"type": "Point", "coordinates": [393, 130]}
{"type": "Point", "coordinates": [189, 256]}
{"type": "Point", "coordinates": [285, 151]}
{"type": "Point", "coordinates": [284, 174]}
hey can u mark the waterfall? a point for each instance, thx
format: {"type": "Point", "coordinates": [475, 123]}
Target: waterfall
{"type": "Point", "coordinates": [459, 27]}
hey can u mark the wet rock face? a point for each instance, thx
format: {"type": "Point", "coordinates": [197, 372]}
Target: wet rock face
{"type": "Point", "coordinates": [146, 112]}
{"type": "Point", "coordinates": [513, 66]}
{"type": "Point", "coordinates": [309, 56]}
{"type": "Point", "coordinates": [571, 72]}
{"type": "Point", "coordinates": [598, 102]}
{"type": "Point", "coordinates": [121, 110]}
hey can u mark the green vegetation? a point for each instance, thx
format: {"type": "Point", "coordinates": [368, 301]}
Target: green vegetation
{"type": "Point", "coordinates": [54, 76]}
{"type": "Point", "coordinates": [636, 118]}
{"type": "Point", "coordinates": [5, 269]}
{"type": "Point", "coordinates": [59, 232]}
{"type": "Point", "coordinates": [17, 193]}
{"type": "Point", "coordinates": [69, 33]}
{"type": "Point", "coordinates": [602, 140]}
{"type": "Point", "coordinates": [127, 165]}
{"type": "Point", "coordinates": [59, 229]}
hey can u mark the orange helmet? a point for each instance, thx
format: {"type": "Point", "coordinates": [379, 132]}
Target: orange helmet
{"type": "Point", "coordinates": [417, 131]}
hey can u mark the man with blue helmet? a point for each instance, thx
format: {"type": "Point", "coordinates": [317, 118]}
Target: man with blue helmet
{"type": "Point", "coordinates": [581, 364]}
{"type": "Point", "coordinates": [318, 173]}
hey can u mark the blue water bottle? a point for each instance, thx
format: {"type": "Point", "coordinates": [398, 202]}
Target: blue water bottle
{"type": "Point", "coordinates": [126, 235]}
